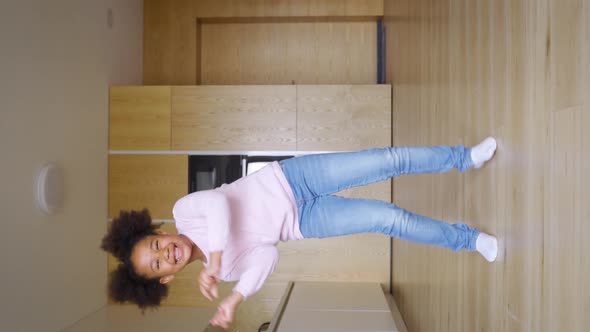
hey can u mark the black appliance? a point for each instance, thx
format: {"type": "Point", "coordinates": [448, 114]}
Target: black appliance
{"type": "Point", "coordinates": [209, 172]}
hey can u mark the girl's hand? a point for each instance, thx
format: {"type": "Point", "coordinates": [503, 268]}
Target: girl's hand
{"type": "Point", "coordinates": [226, 310]}
{"type": "Point", "coordinates": [208, 281]}
{"type": "Point", "coordinates": [209, 277]}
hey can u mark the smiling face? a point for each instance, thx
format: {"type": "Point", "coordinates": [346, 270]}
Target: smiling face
{"type": "Point", "coordinates": [161, 256]}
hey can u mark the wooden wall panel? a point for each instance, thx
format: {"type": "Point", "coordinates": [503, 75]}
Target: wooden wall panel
{"type": "Point", "coordinates": [278, 52]}
{"type": "Point", "coordinates": [139, 118]}
{"type": "Point", "coordinates": [233, 118]}
{"type": "Point", "coordinates": [169, 42]}
{"type": "Point", "coordinates": [517, 70]}
{"type": "Point", "coordinates": [282, 8]}
{"type": "Point", "coordinates": [341, 118]}
{"type": "Point", "coordinates": [171, 45]}
{"type": "Point", "coordinates": [147, 181]}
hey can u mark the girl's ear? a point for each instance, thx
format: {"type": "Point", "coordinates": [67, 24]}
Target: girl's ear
{"type": "Point", "coordinates": [166, 279]}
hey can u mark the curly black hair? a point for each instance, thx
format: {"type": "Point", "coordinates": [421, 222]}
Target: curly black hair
{"type": "Point", "coordinates": [126, 285]}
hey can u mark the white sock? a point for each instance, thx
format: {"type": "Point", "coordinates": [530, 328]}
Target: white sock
{"type": "Point", "coordinates": [487, 246]}
{"type": "Point", "coordinates": [483, 152]}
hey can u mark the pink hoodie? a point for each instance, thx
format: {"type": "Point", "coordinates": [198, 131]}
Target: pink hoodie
{"type": "Point", "coordinates": [245, 220]}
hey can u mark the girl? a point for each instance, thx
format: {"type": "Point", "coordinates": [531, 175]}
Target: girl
{"type": "Point", "coordinates": [233, 229]}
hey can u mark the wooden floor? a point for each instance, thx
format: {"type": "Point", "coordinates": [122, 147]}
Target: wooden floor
{"type": "Point", "coordinates": [520, 71]}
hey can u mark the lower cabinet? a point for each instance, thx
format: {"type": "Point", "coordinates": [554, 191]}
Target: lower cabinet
{"type": "Point", "coordinates": [333, 306]}
{"type": "Point", "coordinates": [154, 182]}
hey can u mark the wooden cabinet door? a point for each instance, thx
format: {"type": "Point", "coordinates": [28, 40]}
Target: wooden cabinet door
{"type": "Point", "coordinates": [343, 117]}
{"type": "Point", "coordinates": [155, 182]}
{"type": "Point", "coordinates": [229, 118]}
{"type": "Point", "coordinates": [139, 118]}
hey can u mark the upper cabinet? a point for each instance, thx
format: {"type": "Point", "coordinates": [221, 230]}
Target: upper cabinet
{"type": "Point", "coordinates": [234, 117]}
{"type": "Point", "coordinates": [250, 117]}
{"type": "Point", "coordinates": [343, 117]}
{"type": "Point", "coordinates": [139, 118]}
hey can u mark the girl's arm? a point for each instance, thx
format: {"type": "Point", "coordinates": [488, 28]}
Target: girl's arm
{"type": "Point", "coordinates": [215, 263]}
{"type": "Point", "coordinates": [226, 311]}
{"type": "Point", "coordinates": [253, 269]}
{"type": "Point", "coordinates": [209, 278]}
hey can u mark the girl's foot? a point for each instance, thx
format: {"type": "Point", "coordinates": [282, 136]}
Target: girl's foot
{"type": "Point", "coordinates": [483, 152]}
{"type": "Point", "coordinates": [487, 246]}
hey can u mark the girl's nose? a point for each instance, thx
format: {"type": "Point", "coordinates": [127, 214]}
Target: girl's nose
{"type": "Point", "coordinates": [164, 253]}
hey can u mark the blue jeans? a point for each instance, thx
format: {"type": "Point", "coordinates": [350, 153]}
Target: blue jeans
{"type": "Point", "coordinates": [313, 178]}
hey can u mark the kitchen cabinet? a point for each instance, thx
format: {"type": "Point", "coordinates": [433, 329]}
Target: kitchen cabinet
{"type": "Point", "coordinates": [230, 118]}
{"type": "Point", "coordinates": [147, 181]}
{"type": "Point", "coordinates": [250, 117]}
{"type": "Point", "coordinates": [139, 118]}
{"type": "Point", "coordinates": [333, 306]}
{"type": "Point", "coordinates": [343, 117]}
{"type": "Point", "coordinates": [261, 118]}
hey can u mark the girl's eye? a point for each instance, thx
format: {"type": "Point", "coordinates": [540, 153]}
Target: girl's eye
{"type": "Point", "coordinates": [158, 264]}
{"type": "Point", "coordinates": [157, 245]}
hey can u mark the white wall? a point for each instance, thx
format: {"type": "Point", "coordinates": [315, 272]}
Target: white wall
{"type": "Point", "coordinates": [57, 60]}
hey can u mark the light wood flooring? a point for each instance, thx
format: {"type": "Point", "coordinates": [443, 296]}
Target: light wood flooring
{"type": "Point", "coordinates": [520, 71]}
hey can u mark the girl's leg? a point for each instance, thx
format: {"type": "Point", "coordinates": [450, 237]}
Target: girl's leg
{"type": "Point", "coordinates": [322, 174]}
{"type": "Point", "coordinates": [329, 216]}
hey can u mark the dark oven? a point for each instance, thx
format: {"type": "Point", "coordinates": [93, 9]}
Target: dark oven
{"type": "Point", "coordinates": [207, 172]}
